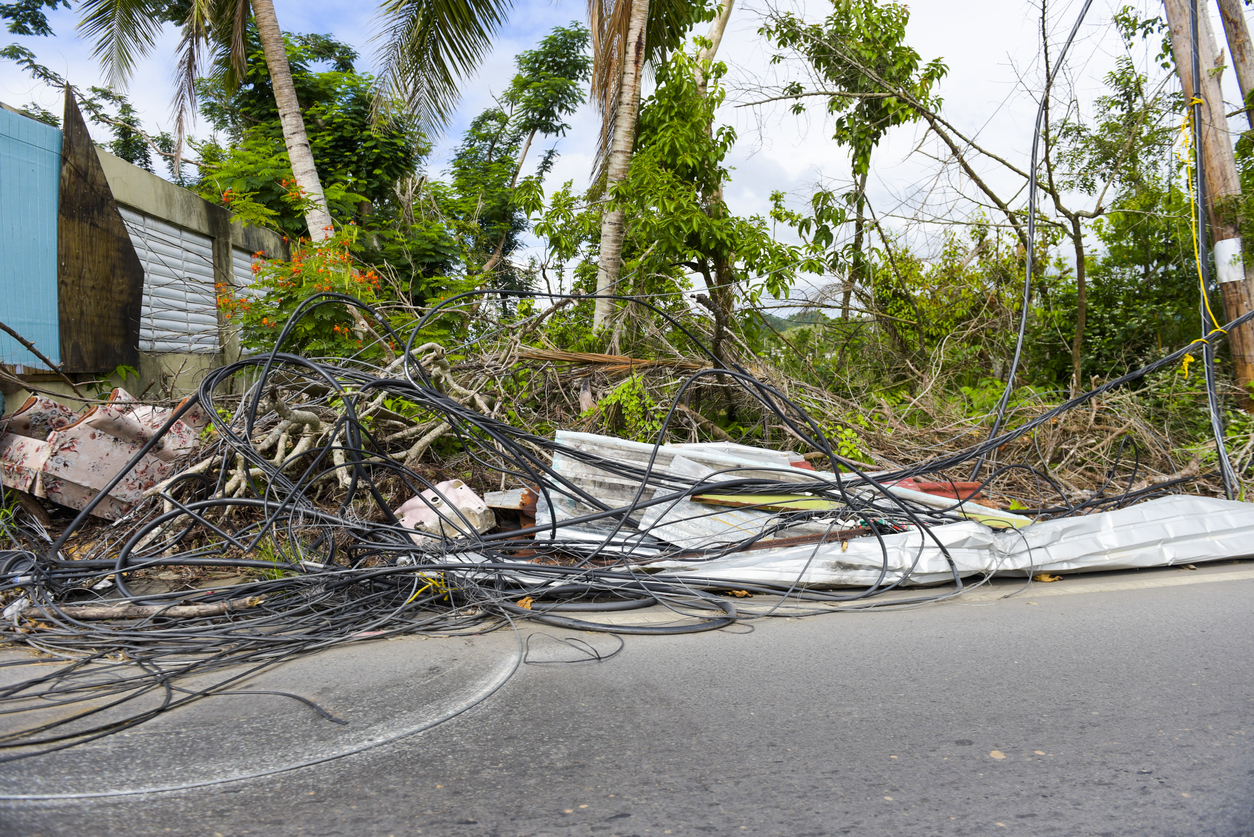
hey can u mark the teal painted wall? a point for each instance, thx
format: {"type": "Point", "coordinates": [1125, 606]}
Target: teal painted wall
{"type": "Point", "coordinates": [30, 178]}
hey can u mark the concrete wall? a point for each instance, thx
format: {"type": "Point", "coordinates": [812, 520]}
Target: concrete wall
{"type": "Point", "coordinates": [152, 195]}
{"type": "Point", "coordinates": [145, 192]}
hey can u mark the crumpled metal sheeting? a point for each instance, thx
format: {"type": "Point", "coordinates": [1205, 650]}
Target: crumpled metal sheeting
{"type": "Point", "coordinates": [972, 546]}
{"type": "Point", "coordinates": [673, 460]}
{"type": "Point", "coordinates": [1164, 532]}
{"type": "Point", "coordinates": [690, 525]}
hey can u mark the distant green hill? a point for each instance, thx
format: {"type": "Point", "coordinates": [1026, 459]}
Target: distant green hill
{"type": "Point", "coordinates": [809, 317]}
{"type": "Point", "coordinates": [778, 323]}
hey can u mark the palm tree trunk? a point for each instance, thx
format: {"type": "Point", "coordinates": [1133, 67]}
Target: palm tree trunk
{"type": "Point", "coordinates": [613, 221]}
{"type": "Point", "coordinates": [298, 150]}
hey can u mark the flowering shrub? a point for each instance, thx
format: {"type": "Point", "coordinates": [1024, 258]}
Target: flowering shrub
{"type": "Point", "coordinates": [279, 287]}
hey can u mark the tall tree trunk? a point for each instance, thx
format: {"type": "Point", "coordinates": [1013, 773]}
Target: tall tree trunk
{"type": "Point", "coordinates": [717, 27]}
{"type": "Point", "coordinates": [316, 216]}
{"type": "Point", "coordinates": [1223, 187]}
{"type": "Point", "coordinates": [1081, 303]}
{"type": "Point", "coordinates": [857, 269]}
{"type": "Point", "coordinates": [613, 221]}
{"type": "Point", "coordinates": [1240, 49]}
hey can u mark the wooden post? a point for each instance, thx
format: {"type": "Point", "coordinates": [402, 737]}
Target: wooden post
{"type": "Point", "coordinates": [1223, 187]}
{"type": "Point", "coordinates": [100, 280]}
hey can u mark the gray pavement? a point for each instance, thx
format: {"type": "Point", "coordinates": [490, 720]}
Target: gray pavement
{"type": "Point", "coordinates": [1112, 704]}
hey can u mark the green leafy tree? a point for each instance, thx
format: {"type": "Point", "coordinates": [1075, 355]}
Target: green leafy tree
{"type": "Point", "coordinates": [485, 204]}
{"type": "Point", "coordinates": [1136, 296]}
{"type": "Point", "coordinates": [678, 226]}
{"type": "Point", "coordinates": [547, 89]}
{"type": "Point", "coordinates": [359, 161]}
{"type": "Point", "coordinates": [873, 82]}
{"type": "Point", "coordinates": [125, 30]}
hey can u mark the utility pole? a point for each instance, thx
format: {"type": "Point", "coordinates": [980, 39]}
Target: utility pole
{"type": "Point", "coordinates": [1240, 49]}
{"type": "Point", "coordinates": [1222, 185]}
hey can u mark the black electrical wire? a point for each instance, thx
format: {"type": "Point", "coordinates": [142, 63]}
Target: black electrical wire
{"type": "Point", "coordinates": [324, 575]}
{"type": "Point", "coordinates": [1030, 245]}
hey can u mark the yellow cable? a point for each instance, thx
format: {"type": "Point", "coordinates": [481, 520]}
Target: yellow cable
{"type": "Point", "coordinates": [1186, 131]}
{"type": "Point", "coordinates": [431, 582]}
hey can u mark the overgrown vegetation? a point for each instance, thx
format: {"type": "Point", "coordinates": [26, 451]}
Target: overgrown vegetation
{"type": "Point", "coordinates": [898, 344]}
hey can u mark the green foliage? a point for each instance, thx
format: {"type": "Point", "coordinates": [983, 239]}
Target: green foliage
{"type": "Point", "coordinates": [359, 161]}
{"type": "Point", "coordinates": [549, 84]}
{"type": "Point", "coordinates": [486, 205]}
{"type": "Point", "coordinates": [679, 222]}
{"type": "Point", "coordinates": [254, 180]}
{"type": "Point", "coordinates": [846, 443]}
{"type": "Point", "coordinates": [1142, 290]}
{"type": "Point", "coordinates": [279, 287]}
{"type": "Point", "coordinates": [27, 17]}
{"type": "Point", "coordinates": [479, 203]}
{"type": "Point", "coordinates": [984, 395]}
{"type": "Point", "coordinates": [104, 386]}
{"type": "Point", "coordinates": [630, 411]}
{"type": "Point", "coordinates": [102, 106]}
{"type": "Point", "coordinates": [873, 79]}
{"type": "Point", "coordinates": [678, 227]}
{"type": "Point", "coordinates": [1128, 142]}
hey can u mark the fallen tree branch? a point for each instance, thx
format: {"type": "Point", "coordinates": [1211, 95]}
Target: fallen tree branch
{"type": "Point", "coordinates": [55, 367]}
{"type": "Point", "coordinates": [705, 424]}
{"type": "Point", "coordinates": [1191, 470]}
{"type": "Point", "coordinates": [89, 613]}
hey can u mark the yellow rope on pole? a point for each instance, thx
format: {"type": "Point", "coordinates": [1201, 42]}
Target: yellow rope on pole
{"type": "Point", "coordinates": [1188, 160]}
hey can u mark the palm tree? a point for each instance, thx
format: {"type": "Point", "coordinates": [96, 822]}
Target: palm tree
{"type": "Point", "coordinates": [625, 38]}
{"type": "Point", "coordinates": [430, 45]}
{"type": "Point", "coordinates": [125, 30]}
{"type": "Point", "coordinates": [428, 48]}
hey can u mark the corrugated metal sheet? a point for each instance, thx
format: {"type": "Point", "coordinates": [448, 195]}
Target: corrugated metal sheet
{"type": "Point", "coordinates": [180, 306]}
{"type": "Point", "coordinates": [30, 177]}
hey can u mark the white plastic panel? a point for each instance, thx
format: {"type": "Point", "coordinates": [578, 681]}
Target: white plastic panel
{"type": "Point", "coordinates": [180, 305]}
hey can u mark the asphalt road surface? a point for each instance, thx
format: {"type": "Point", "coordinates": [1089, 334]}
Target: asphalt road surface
{"type": "Point", "coordinates": [1114, 704]}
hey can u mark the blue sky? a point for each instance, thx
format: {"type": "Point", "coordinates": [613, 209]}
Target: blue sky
{"type": "Point", "coordinates": [990, 46]}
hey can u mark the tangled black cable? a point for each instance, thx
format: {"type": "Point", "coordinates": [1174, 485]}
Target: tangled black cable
{"type": "Point", "coordinates": [314, 574]}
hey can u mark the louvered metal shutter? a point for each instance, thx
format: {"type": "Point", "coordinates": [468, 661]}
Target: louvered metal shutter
{"type": "Point", "coordinates": [242, 268]}
{"type": "Point", "coordinates": [180, 307]}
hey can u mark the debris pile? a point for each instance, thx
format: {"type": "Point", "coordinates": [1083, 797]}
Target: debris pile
{"type": "Point", "coordinates": [304, 520]}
